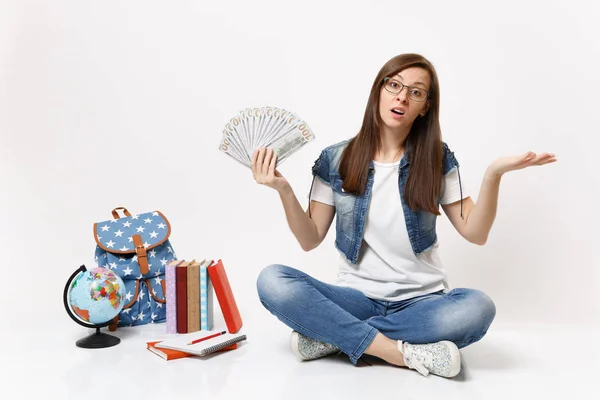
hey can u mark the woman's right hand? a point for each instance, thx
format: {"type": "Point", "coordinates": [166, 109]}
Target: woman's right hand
{"type": "Point", "coordinates": [264, 172]}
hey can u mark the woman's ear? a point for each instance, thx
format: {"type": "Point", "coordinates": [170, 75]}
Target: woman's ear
{"type": "Point", "coordinates": [425, 109]}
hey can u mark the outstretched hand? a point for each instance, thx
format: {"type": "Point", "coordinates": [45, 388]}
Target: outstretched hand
{"type": "Point", "coordinates": [506, 164]}
{"type": "Point", "coordinates": [263, 169]}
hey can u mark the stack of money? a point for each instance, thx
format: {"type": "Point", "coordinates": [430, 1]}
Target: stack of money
{"type": "Point", "coordinates": [269, 127]}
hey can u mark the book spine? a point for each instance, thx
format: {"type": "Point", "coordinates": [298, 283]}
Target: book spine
{"type": "Point", "coordinates": [193, 297]}
{"type": "Point", "coordinates": [229, 307]}
{"type": "Point", "coordinates": [181, 277]}
{"type": "Point", "coordinates": [206, 303]}
{"type": "Point", "coordinates": [171, 296]}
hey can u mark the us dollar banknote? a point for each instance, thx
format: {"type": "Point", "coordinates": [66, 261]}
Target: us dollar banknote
{"type": "Point", "coordinates": [267, 126]}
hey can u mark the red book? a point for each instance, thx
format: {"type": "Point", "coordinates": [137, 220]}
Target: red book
{"type": "Point", "coordinates": [181, 284]}
{"type": "Point", "coordinates": [167, 354]}
{"type": "Point", "coordinates": [229, 307]}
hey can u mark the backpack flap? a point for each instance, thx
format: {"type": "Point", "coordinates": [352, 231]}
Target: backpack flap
{"type": "Point", "coordinates": [133, 235]}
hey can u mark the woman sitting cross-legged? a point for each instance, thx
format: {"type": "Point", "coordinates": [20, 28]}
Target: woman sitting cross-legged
{"type": "Point", "coordinates": [385, 186]}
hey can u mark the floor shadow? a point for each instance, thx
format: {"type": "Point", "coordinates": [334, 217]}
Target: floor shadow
{"type": "Point", "coordinates": [481, 356]}
{"type": "Point", "coordinates": [490, 356]}
{"type": "Point", "coordinates": [464, 375]}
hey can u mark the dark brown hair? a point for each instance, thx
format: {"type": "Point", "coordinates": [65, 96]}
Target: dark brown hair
{"type": "Point", "coordinates": [424, 143]}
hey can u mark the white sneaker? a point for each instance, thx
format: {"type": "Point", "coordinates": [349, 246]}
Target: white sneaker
{"type": "Point", "coordinates": [310, 349]}
{"type": "Point", "coordinates": [441, 358]}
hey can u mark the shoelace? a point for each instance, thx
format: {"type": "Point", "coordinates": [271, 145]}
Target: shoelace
{"type": "Point", "coordinates": [417, 359]}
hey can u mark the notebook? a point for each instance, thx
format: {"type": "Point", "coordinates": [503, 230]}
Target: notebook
{"type": "Point", "coordinates": [176, 354]}
{"type": "Point", "coordinates": [181, 285]}
{"type": "Point", "coordinates": [171, 295]}
{"type": "Point", "coordinates": [206, 298]}
{"type": "Point", "coordinates": [193, 297]}
{"type": "Point", "coordinates": [180, 342]}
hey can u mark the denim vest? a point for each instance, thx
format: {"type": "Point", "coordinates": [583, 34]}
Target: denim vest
{"type": "Point", "coordinates": [351, 210]}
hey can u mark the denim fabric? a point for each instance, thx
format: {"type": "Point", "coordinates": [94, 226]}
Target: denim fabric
{"type": "Point", "coordinates": [349, 320]}
{"type": "Point", "coordinates": [351, 210]}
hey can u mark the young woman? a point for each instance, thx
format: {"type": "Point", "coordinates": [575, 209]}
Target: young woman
{"type": "Point", "coordinates": [385, 186]}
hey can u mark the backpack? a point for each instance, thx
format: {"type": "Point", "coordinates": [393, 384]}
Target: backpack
{"type": "Point", "coordinates": [137, 249]}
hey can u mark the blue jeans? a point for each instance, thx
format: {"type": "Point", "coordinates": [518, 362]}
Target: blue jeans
{"type": "Point", "coordinates": [350, 320]}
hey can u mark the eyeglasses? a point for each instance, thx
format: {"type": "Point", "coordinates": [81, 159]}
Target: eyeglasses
{"type": "Point", "coordinates": [414, 93]}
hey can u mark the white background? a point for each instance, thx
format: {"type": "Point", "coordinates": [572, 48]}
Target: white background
{"type": "Point", "coordinates": [107, 104]}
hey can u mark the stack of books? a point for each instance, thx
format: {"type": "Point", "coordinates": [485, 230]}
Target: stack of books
{"type": "Point", "coordinates": [189, 302]}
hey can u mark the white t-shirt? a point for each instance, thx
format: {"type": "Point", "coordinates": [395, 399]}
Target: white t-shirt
{"type": "Point", "coordinates": [387, 268]}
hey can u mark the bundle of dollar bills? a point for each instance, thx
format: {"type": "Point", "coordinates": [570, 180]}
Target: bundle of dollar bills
{"type": "Point", "coordinates": [270, 127]}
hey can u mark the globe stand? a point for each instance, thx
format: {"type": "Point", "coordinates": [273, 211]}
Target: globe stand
{"type": "Point", "coordinates": [98, 340]}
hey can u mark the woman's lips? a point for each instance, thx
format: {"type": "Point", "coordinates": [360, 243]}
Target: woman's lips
{"type": "Point", "coordinates": [396, 115]}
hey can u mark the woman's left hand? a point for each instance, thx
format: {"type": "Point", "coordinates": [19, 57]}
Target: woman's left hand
{"type": "Point", "coordinates": [503, 165]}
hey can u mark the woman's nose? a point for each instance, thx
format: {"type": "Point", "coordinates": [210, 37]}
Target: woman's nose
{"type": "Point", "coordinates": [402, 94]}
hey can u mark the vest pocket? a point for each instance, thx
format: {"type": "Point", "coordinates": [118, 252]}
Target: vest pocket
{"type": "Point", "coordinates": [344, 202]}
{"type": "Point", "coordinates": [426, 222]}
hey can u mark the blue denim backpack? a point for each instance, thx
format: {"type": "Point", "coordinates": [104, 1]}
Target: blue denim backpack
{"type": "Point", "coordinates": [137, 248]}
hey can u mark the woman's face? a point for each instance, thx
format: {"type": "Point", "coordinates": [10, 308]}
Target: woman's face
{"type": "Point", "coordinates": [401, 109]}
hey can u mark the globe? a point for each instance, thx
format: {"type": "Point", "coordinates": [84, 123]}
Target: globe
{"type": "Point", "coordinates": [93, 298]}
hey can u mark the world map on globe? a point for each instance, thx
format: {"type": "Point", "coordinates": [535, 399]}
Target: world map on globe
{"type": "Point", "coordinates": [97, 295]}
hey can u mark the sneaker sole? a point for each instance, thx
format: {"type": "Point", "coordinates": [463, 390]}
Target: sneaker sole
{"type": "Point", "coordinates": [294, 345]}
{"type": "Point", "coordinates": [455, 354]}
